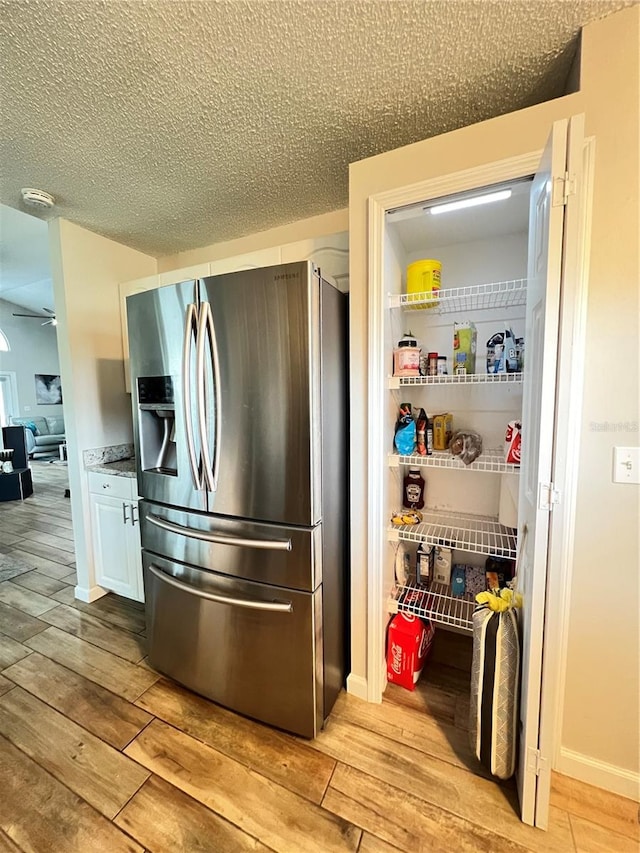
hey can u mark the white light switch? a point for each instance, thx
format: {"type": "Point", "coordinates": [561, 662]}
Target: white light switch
{"type": "Point", "coordinates": [626, 464]}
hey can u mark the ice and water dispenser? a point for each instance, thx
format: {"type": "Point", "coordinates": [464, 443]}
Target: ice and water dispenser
{"type": "Point", "coordinates": [157, 423]}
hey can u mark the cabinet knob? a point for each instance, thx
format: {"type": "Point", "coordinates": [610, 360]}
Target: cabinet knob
{"type": "Point", "coordinates": [105, 485]}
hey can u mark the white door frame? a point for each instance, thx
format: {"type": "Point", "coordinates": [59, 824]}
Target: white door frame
{"type": "Point", "coordinates": [571, 348]}
{"type": "Point", "coordinates": [13, 382]}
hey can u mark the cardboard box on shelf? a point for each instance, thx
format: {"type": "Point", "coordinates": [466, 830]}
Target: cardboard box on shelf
{"type": "Point", "coordinates": [464, 348]}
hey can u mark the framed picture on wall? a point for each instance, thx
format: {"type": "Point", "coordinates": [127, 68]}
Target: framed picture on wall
{"type": "Point", "coordinates": [48, 389]}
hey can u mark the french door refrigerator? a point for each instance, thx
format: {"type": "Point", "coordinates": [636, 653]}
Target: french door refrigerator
{"type": "Point", "coordinates": [239, 397]}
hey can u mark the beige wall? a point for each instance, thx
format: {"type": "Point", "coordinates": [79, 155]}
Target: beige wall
{"type": "Point", "coordinates": [601, 702]}
{"type": "Point", "coordinates": [602, 716]}
{"type": "Point", "coordinates": [305, 229]}
{"type": "Point", "coordinates": [34, 349]}
{"type": "Point", "coordinates": [86, 272]}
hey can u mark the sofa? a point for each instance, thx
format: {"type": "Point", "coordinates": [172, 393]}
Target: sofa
{"type": "Point", "coordinates": [43, 435]}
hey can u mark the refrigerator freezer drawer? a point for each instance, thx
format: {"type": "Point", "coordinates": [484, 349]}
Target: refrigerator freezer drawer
{"type": "Point", "coordinates": [289, 557]}
{"type": "Point", "coordinates": [253, 648]}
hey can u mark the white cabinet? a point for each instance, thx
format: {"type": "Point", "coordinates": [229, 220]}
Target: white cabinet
{"type": "Point", "coordinates": [128, 288]}
{"type": "Point", "coordinates": [248, 261]}
{"type": "Point", "coordinates": [330, 253]}
{"type": "Point", "coordinates": [116, 534]}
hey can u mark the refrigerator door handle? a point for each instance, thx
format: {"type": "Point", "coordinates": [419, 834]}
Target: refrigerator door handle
{"type": "Point", "coordinates": [204, 336]}
{"type": "Point", "coordinates": [219, 538]}
{"type": "Point", "coordinates": [215, 361]}
{"type": "Point", "coordinates": [190, 329]}
{"type": "Point", "coordinates": [252, 604]}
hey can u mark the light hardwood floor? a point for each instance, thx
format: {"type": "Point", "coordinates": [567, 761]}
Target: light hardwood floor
{"type": "Point", "coordinates": [100, 753]}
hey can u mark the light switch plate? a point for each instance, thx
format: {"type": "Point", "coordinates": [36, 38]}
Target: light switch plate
{"type": "Point", "coordinates": [626, 464]}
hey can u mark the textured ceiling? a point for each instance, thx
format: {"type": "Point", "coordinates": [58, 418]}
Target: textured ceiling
{"type": "Point", "coordinates": [170, 124]}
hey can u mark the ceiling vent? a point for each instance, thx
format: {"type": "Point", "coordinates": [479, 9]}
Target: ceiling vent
{"type": "Point", "coordinates": [37, 198]}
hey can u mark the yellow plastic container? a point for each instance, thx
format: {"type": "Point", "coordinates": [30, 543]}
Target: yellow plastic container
{"type": "Point", "coordinates": [423, 282]}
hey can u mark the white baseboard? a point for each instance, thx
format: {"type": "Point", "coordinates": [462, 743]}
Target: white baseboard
{"type": "Point", "coordinates": [89, 595]}
{"type": "Point", "coordinates": [599, 773]}
{"type": "Point", "coordinates": [357, 686]}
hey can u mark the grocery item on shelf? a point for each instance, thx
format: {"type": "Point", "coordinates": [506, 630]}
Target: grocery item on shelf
{"type": "Point", "coordinates": [458, 581]}
{"type": "Point", "coordinates": [425, 563]}
{"type": "Point", "coordinates": [402, 567]}
{"type": "Point", "coordinates": [405, 431]}
{"type": "Point", "coordinates": [513, 442]}
{"type": "Point", "coordinates": [423, 282]}
{"type": "Point", "coordinates": [409, 641]}
{"type": "Point", "coordinates": [407, 516]}
{"type": "Point", "coordinates": [442, 365]}
{"type": "Point", "coordinates": [442, 430]}
{"type": "Point", "coordinates": [498, 572]}
{"type": "Point", "coordinates": [466, 444]}
{"type": "Point", "coordinates": [413, 489]}
{"type": "Point", "coordinates": [502, 352]}
{"type": "Point", "coordinates": [424, 434]}
{"type": "Point", "coordinates": [432, 364]}
{"type": "Point", "coordinates": [464, 348]}
{"type": "Point", "coordinates": [406, 357]}
{"type": "Point", "coordinates": [442, 565]}
{"type": "Point", "coordinates": [475, 580]}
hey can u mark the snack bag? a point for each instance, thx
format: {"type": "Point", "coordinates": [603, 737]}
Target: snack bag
{"type": "Point", "coordinates": [513, 442]}
{"type": "Point", "coordinates": [405, 435]}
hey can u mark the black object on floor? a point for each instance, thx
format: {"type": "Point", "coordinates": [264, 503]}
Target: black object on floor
{"type": "Point", "coordinates": [16, 486]}
{"type": "Point", "coordinates": [67, 493]}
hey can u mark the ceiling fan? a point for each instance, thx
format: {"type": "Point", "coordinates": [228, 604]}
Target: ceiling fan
{"type": "Point", "coordinates": [49, 318]}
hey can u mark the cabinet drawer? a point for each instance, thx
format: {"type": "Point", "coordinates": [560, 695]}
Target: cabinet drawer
{"type": "Point", "coordinates": [115, 487]}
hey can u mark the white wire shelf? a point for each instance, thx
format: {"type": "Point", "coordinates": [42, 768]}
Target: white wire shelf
{"type": "Point", "coordinates": [456, 379]}
{"type": "Point", "coordinates": [477, 297]}
{"type": "Point", "coordinates": [476, 534]}
{"type": "Point", "coordinates": [490, 461]}
{"type": "Point", "coordinates": [435, 603]}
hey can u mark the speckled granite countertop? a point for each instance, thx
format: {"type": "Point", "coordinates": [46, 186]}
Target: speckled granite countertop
{"type": "Point", "coordinates": [121, 468]}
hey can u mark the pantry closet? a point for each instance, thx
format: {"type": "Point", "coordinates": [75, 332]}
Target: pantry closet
{"type": "Point", "coordinates": [502, 268]}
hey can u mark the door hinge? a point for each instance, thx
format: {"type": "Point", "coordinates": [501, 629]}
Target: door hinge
{"type": "Point", "coordinates": [547, 496]}
{"type": "Point", "coordinates": [562, 189]}
{"type": "Point", "coordinates": [535, 762]}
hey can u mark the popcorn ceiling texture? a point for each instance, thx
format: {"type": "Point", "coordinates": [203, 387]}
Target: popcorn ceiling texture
{"type": "Point", "coordinates": [168, 124]}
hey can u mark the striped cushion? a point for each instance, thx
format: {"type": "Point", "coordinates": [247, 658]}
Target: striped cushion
{"type": "Point", "coordinates": [493, 723]}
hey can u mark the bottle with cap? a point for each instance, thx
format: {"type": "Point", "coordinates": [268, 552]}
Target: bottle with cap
{"type": "Point", "coordinates": [406, 357]}
{"type": "Point", "coordinates": [413, 490]}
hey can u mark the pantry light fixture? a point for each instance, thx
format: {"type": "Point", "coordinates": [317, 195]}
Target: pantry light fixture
{"type": "Point", "coordinates": [473, 201]}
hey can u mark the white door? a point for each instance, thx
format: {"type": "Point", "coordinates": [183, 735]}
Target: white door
{"type": "Point", "coordinates": [8, 397]}
{"type": "Point", "coordinates": [546, 239]}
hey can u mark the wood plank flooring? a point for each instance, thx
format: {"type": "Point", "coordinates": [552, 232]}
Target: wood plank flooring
{"type": "Point", "coordinates": [98, 752]}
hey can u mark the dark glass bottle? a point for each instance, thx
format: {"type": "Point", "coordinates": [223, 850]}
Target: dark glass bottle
{"type": "Point", "coordinates": [413, 490]}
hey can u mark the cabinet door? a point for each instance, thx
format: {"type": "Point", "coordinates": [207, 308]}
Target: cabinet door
{"type": "Point", "coordinates": [249, 261]}
{"type": "Point", "coordinates": [330, 253]}
{"type": "Point", "coordinates": [127, 288]}
{"type": "Point", "coordinates": [113, 545]}
{"type": "Point", "coordinates": [547, 240]}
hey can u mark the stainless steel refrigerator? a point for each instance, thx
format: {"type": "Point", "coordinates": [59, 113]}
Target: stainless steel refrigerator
{"type": "Point", "coordinates": [239, 393]}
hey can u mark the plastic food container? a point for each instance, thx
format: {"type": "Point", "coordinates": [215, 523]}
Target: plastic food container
{"type": "Point", "coordinates": [423, 282]}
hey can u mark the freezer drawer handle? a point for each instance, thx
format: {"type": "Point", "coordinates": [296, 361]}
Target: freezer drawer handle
{"type": "Point", "coordinates": [252, 604]}
{"type": "Point", "coordinates": [218, 538]}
